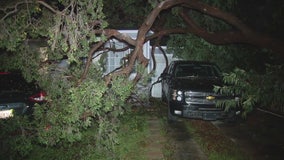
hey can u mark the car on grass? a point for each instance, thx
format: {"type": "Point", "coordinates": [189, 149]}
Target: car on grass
{"type": "Point", "coordinates": [17, 96]}
{"type": "Point", "coordinates": [187, 88]}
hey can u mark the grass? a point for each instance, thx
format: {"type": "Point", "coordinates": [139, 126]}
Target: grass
{"type": "Point", "coordinates": [131, 139]}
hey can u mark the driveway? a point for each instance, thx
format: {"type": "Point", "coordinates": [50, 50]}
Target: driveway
{"type": "Point", "coordinates": [183, 145]}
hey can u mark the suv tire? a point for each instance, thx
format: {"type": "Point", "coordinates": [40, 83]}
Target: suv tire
{"type": "Point", "coordinates": [171, 117]}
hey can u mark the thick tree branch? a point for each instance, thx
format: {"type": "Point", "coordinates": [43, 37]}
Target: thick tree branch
{"type": "Point", "coordinates": [137, 54]}
{"type": "Point", "coordinates": [113, 33]}
{"type": "Point", "coordinates": [243, 34]}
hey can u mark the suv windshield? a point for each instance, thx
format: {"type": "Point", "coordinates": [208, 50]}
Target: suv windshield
{"type": "Point", "coordinates": [193, 70]}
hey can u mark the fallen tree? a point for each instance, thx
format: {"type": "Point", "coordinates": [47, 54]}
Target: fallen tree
{"type": "Point", "coordinates": [75, 29]}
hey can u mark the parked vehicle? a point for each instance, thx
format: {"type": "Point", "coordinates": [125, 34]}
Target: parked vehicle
{"type": "Point", "coordinates": [17, 96]}
{"type": "Point", "coordinates": [187, 87]}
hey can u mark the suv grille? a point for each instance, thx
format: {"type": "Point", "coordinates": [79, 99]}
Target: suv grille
{"type": "Point", "coordinates": [201, 98]}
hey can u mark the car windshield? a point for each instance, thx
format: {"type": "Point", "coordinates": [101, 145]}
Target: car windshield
{"type": "Point", "coordinates": [197, 70]}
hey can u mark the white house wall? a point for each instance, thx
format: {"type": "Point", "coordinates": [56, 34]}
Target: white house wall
{"type": "Point", "coordinates": [114, 60]}
{"type": "Point", "coordinates": [160, 66]}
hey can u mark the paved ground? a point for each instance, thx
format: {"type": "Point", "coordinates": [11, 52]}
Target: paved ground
{"type": "Point", "coordinates": [185, 147]}
{"type": "Point", "coordinates": [171, 142]}
{"type": "Point", "coordinates": [156, 140]}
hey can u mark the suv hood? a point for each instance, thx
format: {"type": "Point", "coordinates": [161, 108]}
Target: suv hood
{"type": "Point", "coordinates": [197, 83]}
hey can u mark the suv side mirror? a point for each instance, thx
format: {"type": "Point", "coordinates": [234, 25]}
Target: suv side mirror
{"type": "Point", "coordinates": [165, 75]}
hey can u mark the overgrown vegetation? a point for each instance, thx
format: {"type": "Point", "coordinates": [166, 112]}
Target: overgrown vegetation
{"type": "Point", "coordinates": [254, 89]}
{"type": "Point", "coordinates": [34, 40]}
{"type": "Point", "coordinates": [36, 35]}
{"type": "Point", "coordinates": [131, 135]}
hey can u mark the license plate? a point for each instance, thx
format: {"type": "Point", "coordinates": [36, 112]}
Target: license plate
{"type": "Point", "coordinates": [6, 114]}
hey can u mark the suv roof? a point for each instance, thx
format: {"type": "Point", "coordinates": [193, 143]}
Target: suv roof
{"type": "Point", "coordinates": [190, 62]}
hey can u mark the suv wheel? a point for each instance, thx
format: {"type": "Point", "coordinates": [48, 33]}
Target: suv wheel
{"type": "Point", "coordinates": [171, 117]}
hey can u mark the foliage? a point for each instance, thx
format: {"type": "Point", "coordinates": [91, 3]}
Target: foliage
{"type": "Point", "coordinates": [16, 137]}
{"type": "Point", "coordinates": [254, 89]}
{"type": "Point", "coordinates": [64, 29]}
{"type": "Point", "coordinates": [272, 88]}
{"type": "Point", "coordinates": [226, 5]}
{"type": "Point", "coordinates": [131, 135]}
{"type": "Point", "coordinates": [126, 14]}
{"type": "Point", "coordinates": [239, 84]}
{"type": "Point", "coordinates": [193, 48]}
{"type": "Point", "coordinates": [79, 108]}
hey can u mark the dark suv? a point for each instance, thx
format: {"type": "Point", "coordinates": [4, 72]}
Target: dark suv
{"type": "Point", "coordinates": [187, 87]}
{"type": "Point", "coordinates": [17, 96]}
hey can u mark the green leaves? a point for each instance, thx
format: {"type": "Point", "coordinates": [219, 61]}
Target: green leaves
{"type": "Point", "coordinates": [71, 107]}
{"type": "Point", "coordinates": [238, 83]}
{"type": "Point", "coordinates": [17, 137]}
{"type": "Point", "coordinates": [263, 90]}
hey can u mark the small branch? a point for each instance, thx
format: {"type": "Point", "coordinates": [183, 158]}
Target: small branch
{"type": "Point", "coordinates": [165, 56]}
{"type": "Point", "coordinates": [16, 5]}
{"type": "Point", "coordinates": [113, 33]}
{"type": "Point", "coordinates": [89, 61]}
{"type": "Point", "coordinates": [48, 7]}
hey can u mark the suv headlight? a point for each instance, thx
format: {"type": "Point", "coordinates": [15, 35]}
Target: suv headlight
{"type": "Point", "coordinates": [177, 95]}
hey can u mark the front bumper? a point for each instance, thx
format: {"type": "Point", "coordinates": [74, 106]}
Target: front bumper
{"type": "Point", "coordinates": [205, 112]}
{"type": "Point", "coordinates": [205, 115]}
{"type": "Point", "coordinates": [10, 109]}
